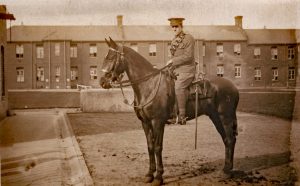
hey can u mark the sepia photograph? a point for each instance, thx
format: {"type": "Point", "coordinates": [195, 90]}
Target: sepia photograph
{"type": "Point", "coordinates": [152, 92]}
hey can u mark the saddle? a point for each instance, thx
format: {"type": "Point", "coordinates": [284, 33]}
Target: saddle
{"type": "Point", "coordinates": [202, 86]}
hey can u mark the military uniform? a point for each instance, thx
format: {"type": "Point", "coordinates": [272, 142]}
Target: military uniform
{"type": "Point", "coordinates": [182, 51]}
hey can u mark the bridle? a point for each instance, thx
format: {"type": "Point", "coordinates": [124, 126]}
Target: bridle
{"type": "Point", "coordinates": [120, 59]}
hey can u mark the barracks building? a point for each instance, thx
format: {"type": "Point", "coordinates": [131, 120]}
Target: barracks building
{"type": "Point", "coordinates": [60, 57]}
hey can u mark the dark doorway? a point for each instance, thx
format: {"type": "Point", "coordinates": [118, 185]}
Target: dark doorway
{"type": "Point", "coordinates": [2, 72]}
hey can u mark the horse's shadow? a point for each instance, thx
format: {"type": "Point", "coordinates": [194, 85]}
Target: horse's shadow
{"type": "Point", "coordinates": [243, 172]}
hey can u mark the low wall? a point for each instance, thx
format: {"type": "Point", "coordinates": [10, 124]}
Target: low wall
{"type": "Point", "coordinates": [46, 98]}
{"type": "Point", "coordinates": [102, 100]}
{"type": "Point", "coordinates": [276, 103]}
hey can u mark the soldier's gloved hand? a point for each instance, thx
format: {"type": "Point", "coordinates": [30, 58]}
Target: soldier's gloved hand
{"type": "Point", "coordinates": [170, 63]}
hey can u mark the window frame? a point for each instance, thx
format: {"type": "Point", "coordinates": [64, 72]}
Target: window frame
{"type": "Point", "coordinates": [19, 51]}
{"type": "Point", "coordinates": [152, 49]}
{"type": "Point", "coordinates": [275, 74]}
{"type": "Point", "coordinates": [291, 53]}
{"type": "Point", "coordinates": [220, 70]}
{"type": "Point", "coordinates": [40, 51]}
{"type": "Point", "coordinates": [57, 49]}
{"type": "Point", "coordinates": [237, 49]}
{"type": "Point", "coordinates": [40, 77]}
{"type": "Point", "coordinates": [20, 74]}
{"type": "Point", "coordinates": [93, 50]}
{"type": "Point", "coordinates": [274, 53]}
{"type": "Point", "coordinates": [257, 74]}
{"type": "Point", "coordinates": [93, 72]}
{"type": "Point", "coordinates": [257, 53]}
{"type": "Point", "coordinates": [73, 51]}
{"type": "Point", "coordinates": [237, 71]}
{"type": "Point", "coordinates": [292, 76]}
{"type": "Point", "coordinates": [220, 50]}
{"type": "Point", "coordinates": [74, 73]}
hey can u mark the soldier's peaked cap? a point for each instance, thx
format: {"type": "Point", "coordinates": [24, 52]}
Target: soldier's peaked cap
{"type": "Point", "coordinates": [176, 21]}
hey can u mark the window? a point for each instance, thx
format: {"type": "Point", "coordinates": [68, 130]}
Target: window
{"type": "Point", "coordinates": [257, 74]}
{"type": "Point", "coordinates": [220, 50]}
{"type": "Point", "coordinates": [274, 53]}
{"type": "Point", "coordinates": [20, 74]}
{"type": "Point", "coordinates": [93, 50]}
{"type": "Point", "coordinates": [291, 52]}
{"type": "Point", "coordinates": [257, 53]}
{"type": "Point", "coordinates": [74, 73]}
{"type": "Point", "coordinates": [73, 51]}
{"type": "Point", "coordinates": [57, 49]}
{"type": "Point", "coordinates": [19, 51]}
{"type": "Point", "coordinates": [57, 73]}
{"type": "Point", "coordinates": [203, 49]}
{"type": "Point", "coordinates": [220, 70]}
{"type": "Point", "coordinates": [292, 73]}
{"type": "Point", "coordinates": [275, 74]}
{"type": "Point", "coordinates": [134, 46]}
{"type": "Point", "coordinates": [93, 72]}
{"type": "Point", "coordinates": [237, 71]}
{"type": "Point", "coordinates": [237, 49]}
{"type": "Point", "coordinates": [152, 50]}
{"type": "Point", "coordinates": [40, 75]}
{"type": "Point", "coordinates": [39, 51]}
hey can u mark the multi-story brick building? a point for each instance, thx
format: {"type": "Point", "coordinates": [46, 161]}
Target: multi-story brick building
{"type": "Point", "coordinates": [64, 56]}
{"type": "Point", "coordinates": [3, 49]}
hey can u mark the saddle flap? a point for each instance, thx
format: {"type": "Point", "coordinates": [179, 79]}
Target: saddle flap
{"type": "Point", "coordinates": [201, 86]}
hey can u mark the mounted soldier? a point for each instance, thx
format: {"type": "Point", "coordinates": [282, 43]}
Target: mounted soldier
{"type": "Point", "coordinates": [182, 60]}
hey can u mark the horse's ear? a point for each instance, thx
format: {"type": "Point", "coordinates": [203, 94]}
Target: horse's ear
{"type": "Point", "coordinates": [107, 42]}
{"type": "Point", "coordinates": [113, 44]}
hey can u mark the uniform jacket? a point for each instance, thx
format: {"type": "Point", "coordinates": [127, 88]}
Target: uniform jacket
{"type": "Point", "coordinates": [182, 50]}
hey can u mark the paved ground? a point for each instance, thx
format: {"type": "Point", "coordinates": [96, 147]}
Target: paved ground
{"type": "Point", "coordinates": [114, 147]}
{"type": "Point", "coordinates": [37, 148]}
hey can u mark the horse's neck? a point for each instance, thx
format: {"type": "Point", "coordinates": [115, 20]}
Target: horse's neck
{"type": "Point", "coordinates": [137, 67]}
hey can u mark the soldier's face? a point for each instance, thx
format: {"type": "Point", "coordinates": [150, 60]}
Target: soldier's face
{"type": "Point", "coordinates": [177, 29]}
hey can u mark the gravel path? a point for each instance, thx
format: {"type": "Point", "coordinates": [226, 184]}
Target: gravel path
{"type": "Point", "coordinates": [114, 147]}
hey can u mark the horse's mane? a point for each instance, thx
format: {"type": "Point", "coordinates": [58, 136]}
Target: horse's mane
{"type": "Point", "coordinates": [138, 58]}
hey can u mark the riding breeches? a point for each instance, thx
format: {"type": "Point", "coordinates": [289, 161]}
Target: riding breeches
{"type": "Point", "coordinates": [181, 90]}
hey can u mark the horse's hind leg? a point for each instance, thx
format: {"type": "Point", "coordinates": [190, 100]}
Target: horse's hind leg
{"type": "Point", "coordinates": [224, 126]}
{"type": "Point", "coordinates": [230, 125]}
{"type": "Point", "coordinates": [149, 136]}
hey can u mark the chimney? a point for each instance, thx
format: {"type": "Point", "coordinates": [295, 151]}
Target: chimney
{"type": "Point", "coordinates": [119, 20]}
{"type": "Point", "coordinates": [239, 21]}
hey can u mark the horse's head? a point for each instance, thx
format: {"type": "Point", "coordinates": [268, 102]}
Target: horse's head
{"type": "Point", "coordinates": [113, 64]}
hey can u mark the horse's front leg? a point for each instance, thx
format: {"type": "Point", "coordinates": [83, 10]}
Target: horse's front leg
{"type": "Point", "coordinates": [150, 143]}
{"type": "Point", "coordinates": [158, 133]}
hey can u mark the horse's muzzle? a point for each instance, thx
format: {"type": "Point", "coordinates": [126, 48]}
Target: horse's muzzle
{"type": "Point", "coordinates": [105, 83]}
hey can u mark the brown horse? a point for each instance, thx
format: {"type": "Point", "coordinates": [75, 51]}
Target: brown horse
{"type": "Point", "coordinates": [154, 99]}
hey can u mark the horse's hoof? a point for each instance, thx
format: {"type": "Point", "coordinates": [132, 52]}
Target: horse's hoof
{"type": "Point", "coordinates": [157, 182]}
{"type": "Point", "coordinates": [227, 170]}
{"type": "Point", "coordinates": [148, 178]}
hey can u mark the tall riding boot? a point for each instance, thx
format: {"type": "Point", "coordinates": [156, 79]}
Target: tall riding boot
{"type": "Point", "coordinates": [181, 101]}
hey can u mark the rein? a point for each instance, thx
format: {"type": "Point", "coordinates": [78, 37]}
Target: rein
{"type": "Point", "coordinates": [149, 101]}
